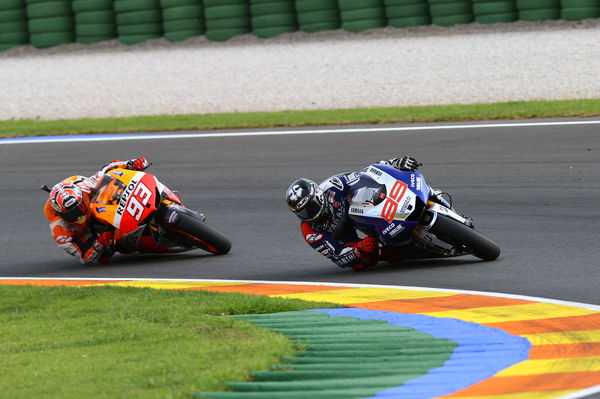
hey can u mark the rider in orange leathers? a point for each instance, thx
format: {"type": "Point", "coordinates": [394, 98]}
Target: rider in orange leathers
{"type": "Point", "coordinates": [67, 210]}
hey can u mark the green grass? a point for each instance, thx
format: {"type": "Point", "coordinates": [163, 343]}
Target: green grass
{"type": "Point", "coordinates": [115, 342]}
{"type": "Point", "coordinates": [506, 110]}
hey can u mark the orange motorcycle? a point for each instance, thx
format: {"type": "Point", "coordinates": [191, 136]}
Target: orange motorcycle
{"type": "Point", "coordinates": [147, 217]}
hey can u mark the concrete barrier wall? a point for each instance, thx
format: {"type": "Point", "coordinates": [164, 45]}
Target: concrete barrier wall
{"type": "Point", "coordinates": [47, 23]}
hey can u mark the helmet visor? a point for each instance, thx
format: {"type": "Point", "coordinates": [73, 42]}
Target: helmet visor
{"type": "Point", "coordinates": [312, 210]}
{"type": "Point", "coordinates": [73, 215]}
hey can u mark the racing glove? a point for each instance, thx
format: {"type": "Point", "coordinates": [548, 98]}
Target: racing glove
{"type": "Point", "coordinates": [101, 249]}
{"type": "Point", "coordinates": [406, 163]}
{"type": "Point", "coordinates": [138, 164]}
{"type": "Point", "coordinates": [367, 245]}
{"type": "Point", "coordinates": [105, 239]}
{"type": "Point", "coordinates": [367, 252]}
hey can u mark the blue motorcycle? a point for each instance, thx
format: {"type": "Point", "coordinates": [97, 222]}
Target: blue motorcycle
{"type": "Point", "coordinates": [401, 210]}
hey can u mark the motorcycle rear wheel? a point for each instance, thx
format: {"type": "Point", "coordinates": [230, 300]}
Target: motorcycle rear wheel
{"type": "Point", "coordinates": [191, 232]}
{"type": "Point", "coordinates": [458, 234]}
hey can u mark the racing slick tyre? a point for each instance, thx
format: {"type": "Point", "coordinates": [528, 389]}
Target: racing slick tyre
{"type": "Point", "coordinates": [458, 234]}
{"type": "Point", "coordinates": [191, 232]}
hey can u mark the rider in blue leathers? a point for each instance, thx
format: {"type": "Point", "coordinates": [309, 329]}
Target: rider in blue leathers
{"type": "Point", "coordinates": [323, 210]}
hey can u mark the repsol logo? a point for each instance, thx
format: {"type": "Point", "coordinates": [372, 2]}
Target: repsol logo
{"type": "Point", "coordinates": [125, 196]}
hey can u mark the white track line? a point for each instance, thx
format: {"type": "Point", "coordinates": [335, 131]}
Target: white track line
{"type": "Point", "coordinates": [171, 136]}
{"type": "Point", "coordinates": [402, 287]}
{"type": "Point", "coordinates": [582, 394]}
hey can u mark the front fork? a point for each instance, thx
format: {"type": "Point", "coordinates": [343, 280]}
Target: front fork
{"type": "Point", "coordinates": [434, 209]}
{"type": "Point", "coordinates": [429, 241]}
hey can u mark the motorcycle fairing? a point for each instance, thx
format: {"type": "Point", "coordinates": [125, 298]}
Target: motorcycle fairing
{"type": "Point", "coordinates": [383, 199]}
{"type": "Point", "coordinates": [126, 200]}
{"type": "Point", "coordinates": [166, 193]}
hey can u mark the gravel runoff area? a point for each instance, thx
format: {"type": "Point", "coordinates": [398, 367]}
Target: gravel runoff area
{"type": "Point", "coordinates": [424, 65]}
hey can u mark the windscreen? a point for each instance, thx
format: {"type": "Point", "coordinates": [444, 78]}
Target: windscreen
{"type": "Point", "coordinates": [109, 191]}
{"type": "Point", "coordinates": [367, 191]}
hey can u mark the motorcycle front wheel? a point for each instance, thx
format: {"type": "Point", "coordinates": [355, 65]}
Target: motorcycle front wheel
{"type": "Point", "coordinates": [193, 233]}
{"type": "Point", "coordinates": [455, 233]}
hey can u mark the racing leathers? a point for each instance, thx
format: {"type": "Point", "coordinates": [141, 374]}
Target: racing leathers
{"type": "Point", "coordinates": [79, 239]}
{"type": "Point", "coordinates": [335, 236]}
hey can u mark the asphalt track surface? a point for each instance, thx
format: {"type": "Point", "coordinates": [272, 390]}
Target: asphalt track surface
{"type": "Point", "coordinates": [532, 189]}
